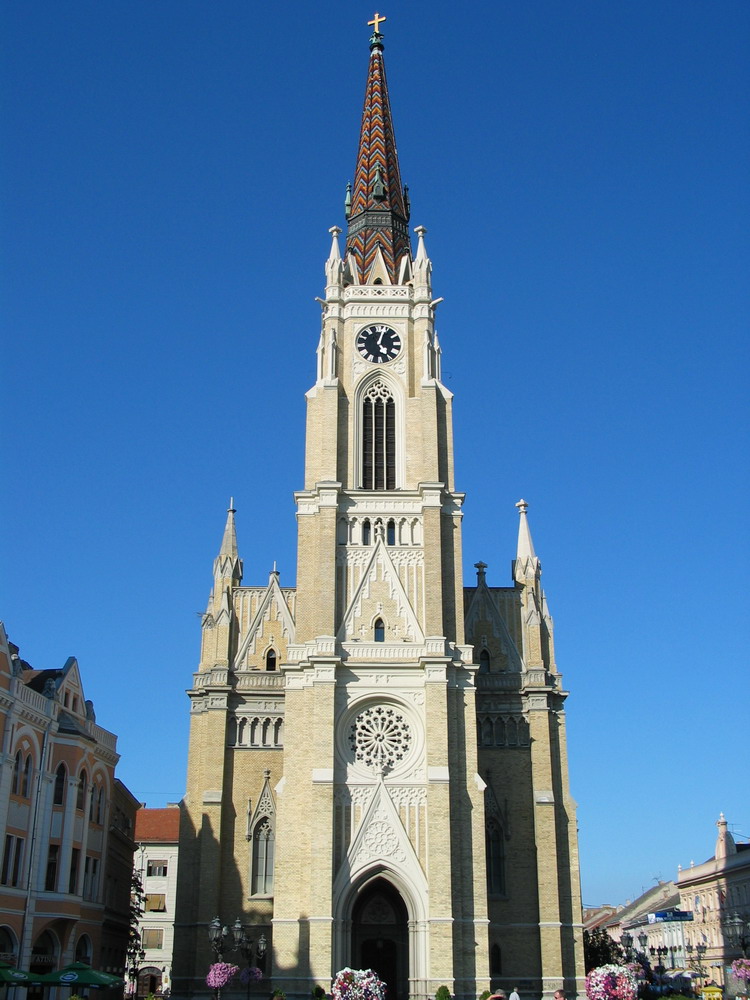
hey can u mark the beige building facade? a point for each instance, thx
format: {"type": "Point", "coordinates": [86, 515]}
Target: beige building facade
{"type": "Point", "coordinates": [377, 771]}
{"type": "Point", "coordinates": [66, 823]}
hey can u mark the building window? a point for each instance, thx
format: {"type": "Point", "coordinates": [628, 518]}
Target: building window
{"type": "Point", "coordinates": [156, 869]}
{"type": "Point", "coordinates": [484, 662]}
{"type": "Point", "coordinates": [390, 533]}
{"type": "Point", "coordinates": [378, 438]}
{"type": "Point", "coordinates": [263, 850]}
{"type": "Point", "coordinates": [17, 765]}
{"type": "Point", "coordinates": [26, 781]}
{"type": "Point", "coordinates": [155, 902]}
{"type": "Point", "coordinates": [271, 659]}
{"type": "Point", "coordinates": [366, 532]}
{"type": "Point", "coordinates": [60, 775]}
{"type": "Point", "coordinates": [81, 797]}
{"type": "Point", "coordinates": [91, 878]}
{"type": "Point", "coordinates": [83, 949]}
{"type": "Point", "coordinates": [12, 861]}
{"type": "Point", "coordinates": [73, 877]}
{"type": "Point", "coordinates": [379, 630]}
{"type": "Point", "coordinates": [495, 859]}
{"type": "Point", "coordinates": [152, 937]}
{"type": "Point", "coordinates": [50, 881]}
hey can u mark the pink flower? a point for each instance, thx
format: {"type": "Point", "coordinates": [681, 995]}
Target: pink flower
{"type": "Point", "coordinates": [220, 973]}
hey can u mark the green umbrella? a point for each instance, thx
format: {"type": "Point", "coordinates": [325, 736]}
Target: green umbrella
{"type": "Point", "coordinates": [14, 976]}
{"type": "Point", "coordinates": [80, 974]}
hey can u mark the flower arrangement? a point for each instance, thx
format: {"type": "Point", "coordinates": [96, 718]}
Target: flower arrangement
{"type": "Point", "coordinates": [611, 982]}
{"type": "Point", "coordinates": [220, 973]}
{"type": "Point", "coordinates": [357, 984]}
{"type": "Point", "coordinates": [741, 969]}
{"type": "Point", "coordinates": [251, 974]}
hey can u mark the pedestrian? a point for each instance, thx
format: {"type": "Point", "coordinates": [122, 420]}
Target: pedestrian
{"type": "Point", "coordinates": [559, 995]}
{"type": "Point", "coordinates": [514, 994]}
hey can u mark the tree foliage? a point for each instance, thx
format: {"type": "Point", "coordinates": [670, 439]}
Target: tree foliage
{"type": "Point", "coordinates": [600, 949]}
{"type": "Point", "coordinates": [136, 912]}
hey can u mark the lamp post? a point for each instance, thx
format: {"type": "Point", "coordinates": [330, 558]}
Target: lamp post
{"type": "Point", "coordinates": [643, 941]}
{"type": "Point", "coordinates": [224, 938]}
{"type": "Point", "coordinates": [626, 940]}
{"type": "Point", "coordinates": [738, 932]}
{"type": "Point", "coordinates": [696, 961]}
{"type": "Point", "coordinates": [661, 951]}
{"type": "Point", "coordinates": [135, 956]}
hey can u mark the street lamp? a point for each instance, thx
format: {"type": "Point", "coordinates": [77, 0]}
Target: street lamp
{"type": "Point", "coordinates": [626, 940]}
{"type": "Point", "coordinates": [225, 939]}
{"type": "Point", "coordinates": [738, 932]}
{"type": "Point", "coordinates": [697, 961]}
{"type": "Point", "coordinates": [643, 941]}
{"type": "Point", "coordinates": [661, 951]}
{"type": "Point", "coordinates": [135, 956]}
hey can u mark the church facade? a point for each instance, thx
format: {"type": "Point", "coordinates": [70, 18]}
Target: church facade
{"type": "Point", "coordinates": [377, 772]}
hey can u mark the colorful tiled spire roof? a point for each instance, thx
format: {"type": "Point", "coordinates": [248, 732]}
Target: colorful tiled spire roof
{"type": "Point", "coordinates": [377, 208]}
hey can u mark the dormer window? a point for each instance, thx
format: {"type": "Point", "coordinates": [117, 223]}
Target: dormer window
{"type": "Point", "coordinates": [379, 630]}
{"type": "Point", "coordinates": [271, 659]}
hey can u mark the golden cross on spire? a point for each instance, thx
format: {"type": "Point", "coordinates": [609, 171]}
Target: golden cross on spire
{"type": "Point", "coordinates": [376, 21]}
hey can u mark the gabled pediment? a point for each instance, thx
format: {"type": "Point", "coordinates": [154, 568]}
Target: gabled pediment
{"type": "Point", "coordinates": [378, 273]}
{"type": "Point", "coordinates": [272, 604]}
{"type": "Point", "coordinates": [381, 842]}
{"type": "Point", "coordinates": [482, 607]}
{"type": "Point", "coordinates": [380, 594]}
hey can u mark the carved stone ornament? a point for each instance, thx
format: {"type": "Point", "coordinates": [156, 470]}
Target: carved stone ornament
{"type": "Point", "coordinates": [380, 737]}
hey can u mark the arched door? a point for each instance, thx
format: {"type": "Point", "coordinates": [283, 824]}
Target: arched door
{"type": "Point", "coordinates": [43, 959]}
{"type": "Point", "coordinates": [380, 939]}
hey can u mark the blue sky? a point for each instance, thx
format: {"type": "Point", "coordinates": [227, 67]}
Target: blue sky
{"type": "Point", "coordinates": [169, 176]}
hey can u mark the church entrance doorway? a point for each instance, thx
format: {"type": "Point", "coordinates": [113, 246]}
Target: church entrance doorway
{"type": "Point", "coordinates": [380, 937]}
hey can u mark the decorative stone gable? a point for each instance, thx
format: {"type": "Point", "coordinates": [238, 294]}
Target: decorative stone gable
{"type": "Point", "coordinates": [380, 595]}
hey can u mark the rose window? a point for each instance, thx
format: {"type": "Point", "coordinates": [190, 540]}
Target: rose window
{"type": "Point", "coordinates": [380, 737]}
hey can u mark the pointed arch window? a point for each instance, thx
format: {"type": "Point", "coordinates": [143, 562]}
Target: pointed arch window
{"type": "Point", "coordinates": [60, 775]}
{"type": "Point", "coordinates": [271, 659]}
{"type": "Point", "coordinates": [26, 782]}
{"type": "Point", "coordinates": [484, 662]}
{"type": "Point", "coordinates": [17, 765]}
{"type": "Point", "coordinates": [378, 438]}
{"type": "Point", "coordinates": [263, 852]}
{"type": "Point", "coordinates": [379, 630]}
{"type": "Point", "coordinates": [495, 859]}
{"type": "Point", "coordinates": [81, 796]}
{"type": "Point", "coordinates": [390, 532]}
{"type": "Point", "coordinates": [366, 532]}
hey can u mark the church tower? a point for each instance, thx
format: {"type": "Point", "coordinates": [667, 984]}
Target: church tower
{"type": "Point", "coordinates": [377, 773]}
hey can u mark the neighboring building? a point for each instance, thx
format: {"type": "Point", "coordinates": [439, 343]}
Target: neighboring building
{"type": "Point", "coordinates": [118, 874]}
{"type": "Point", "coordinates": [377, 770]}
{"type": "Point", "coordinates": [655, 926]}
{"type": "Point", "coordinates": [58, 795]}
{"type": "Point", "coordinates": [718, 892]}
{"type": "Point", "coordinates": [157, 834]}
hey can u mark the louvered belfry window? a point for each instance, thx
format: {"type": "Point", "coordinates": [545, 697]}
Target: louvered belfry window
{"type": "Point", "coordinates": [378, 438]}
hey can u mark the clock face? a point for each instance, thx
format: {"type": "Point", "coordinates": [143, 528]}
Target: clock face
{"type": "Point", "coordinates": [378, 343]}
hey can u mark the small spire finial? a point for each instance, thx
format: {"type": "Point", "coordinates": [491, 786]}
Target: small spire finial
{"type": "Point", "coordinates": [522, 506]}
{"type": "Point", "coordinates": [230, 508]}
{"type": "Point", "coordinates": [480, 568]}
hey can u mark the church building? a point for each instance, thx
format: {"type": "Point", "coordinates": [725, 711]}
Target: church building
{"type": "Point", "coordinates": [377, 773]}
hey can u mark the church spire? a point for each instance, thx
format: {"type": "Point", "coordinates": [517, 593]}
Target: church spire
{"type": "Point", "coordinates": [377, 206]}
{"type": "Point", "coordinates": [228, 564]}
{"type": "Point", "coordinates": [526, 565]}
